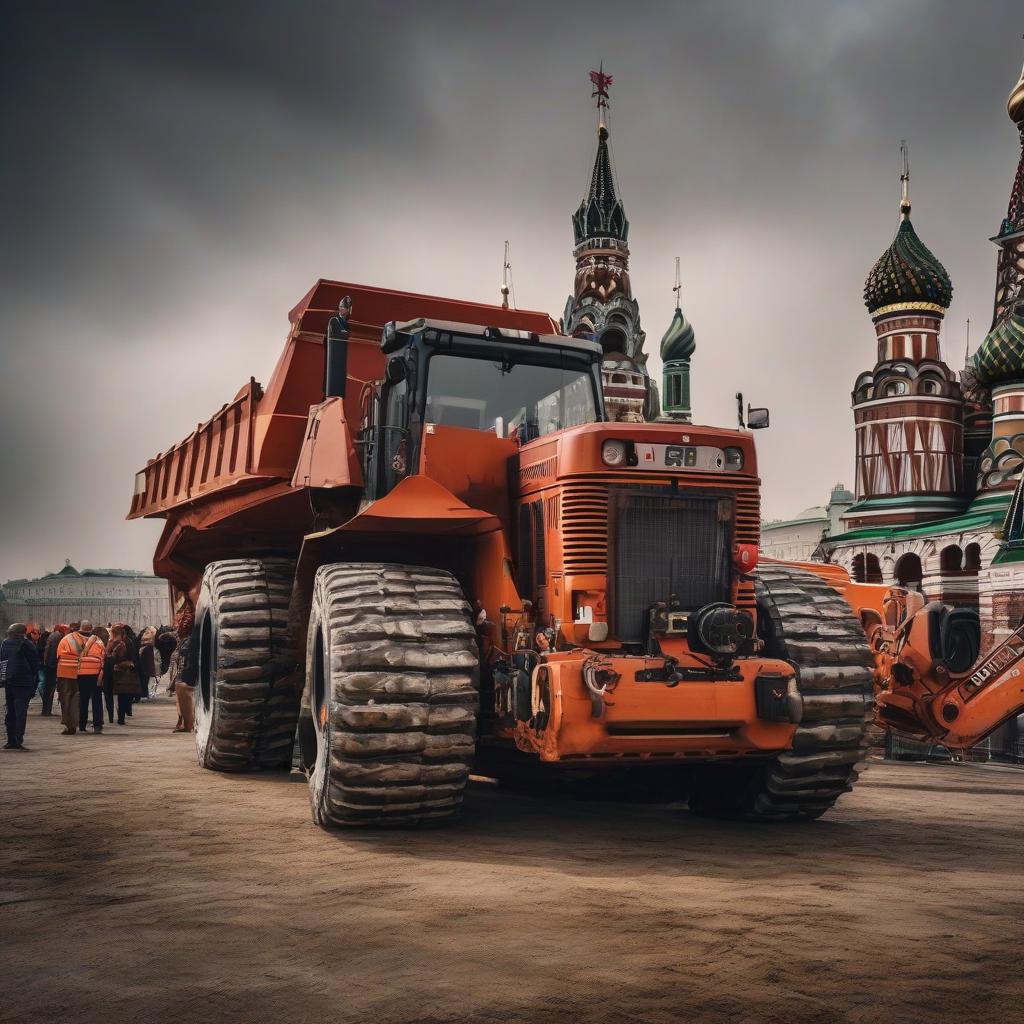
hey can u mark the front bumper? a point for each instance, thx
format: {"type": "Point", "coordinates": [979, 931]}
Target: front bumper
{"type": "Point", "coordinates": [638, 719]}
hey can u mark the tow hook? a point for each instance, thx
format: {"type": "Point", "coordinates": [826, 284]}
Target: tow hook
{"type": "Point", "coordinates": [778, 698]}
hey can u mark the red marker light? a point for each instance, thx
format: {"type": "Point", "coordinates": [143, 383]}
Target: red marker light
{"type": "Point", "coordinates": [744, 557]}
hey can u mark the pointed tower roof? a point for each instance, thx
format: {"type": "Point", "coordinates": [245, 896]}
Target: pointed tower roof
{"type": "Point", "coordinates": [601, 213]}
{"type": "Point", "coordinates": [907, 274]}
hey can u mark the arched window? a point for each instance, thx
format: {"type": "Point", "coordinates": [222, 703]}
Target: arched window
{"type": "Point", "coordinates": [930, 386]}
{"type": "Point", "coordinates": [909, 572]}
{"type": "Point", "coordinates": [950, 558]}
{"type": "Point", "coordinates": [972, 558]}
{"type": "Point", "coordinates": [895, 388]}
{"type": "Point", "coordinates": [866, 569]}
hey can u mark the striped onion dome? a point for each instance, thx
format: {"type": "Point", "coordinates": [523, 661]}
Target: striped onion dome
{"type": "Point", "coordinates": [678, 341]}
{"type": "Point", "coordinates": [1000, 357]}
{"type": "Point", "coordinates": [907, 275]}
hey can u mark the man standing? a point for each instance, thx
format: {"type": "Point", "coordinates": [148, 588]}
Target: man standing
{"type": "Point", "coordinates": [67, 680]}
{"type": "Point", "coordinates": [50, 667]}
{"type": "Point", "coordinates": [20, 662]}
{"type": "Point", "coordinates": [90, 676]}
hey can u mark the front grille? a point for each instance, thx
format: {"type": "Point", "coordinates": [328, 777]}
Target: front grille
{"type": "Point", "coordinates": [666, 544]}
{"type": "Point", "coordinates": [584, 528]}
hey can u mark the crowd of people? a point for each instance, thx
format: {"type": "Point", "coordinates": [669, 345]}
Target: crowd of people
{"type": "Point", "coordinates": [97, 673]}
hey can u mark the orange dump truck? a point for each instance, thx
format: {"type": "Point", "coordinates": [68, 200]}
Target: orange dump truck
{"type": "Point", "coordinates": [423, 546]}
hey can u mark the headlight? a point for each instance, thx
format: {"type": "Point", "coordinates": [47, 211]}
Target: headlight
{"type": "Point", "coordinates": [734, 458]}
{"type": "Point", "coordinates": [613, 453]}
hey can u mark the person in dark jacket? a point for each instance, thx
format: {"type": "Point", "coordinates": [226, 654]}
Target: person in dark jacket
{"type": "Point", "coordinates": [124, 680]}
{"type": "Point", "coordinates": [21, 675]}
{"type": "Point", "coordinates": [147, 661]}
{"type": "Point", "coordinates": [165, 644]}
{"type": "Point", "coordinates": [133, 656]}
{"type": "Point", "coordinates": [44, 636]}
{"type": "Point", "coordinates": [50, 667]}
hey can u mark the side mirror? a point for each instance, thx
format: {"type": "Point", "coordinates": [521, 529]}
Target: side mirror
{"type": "Point", "coordinates": [396, 370]}
{"type": "Point", "coordinates": [757, 419]}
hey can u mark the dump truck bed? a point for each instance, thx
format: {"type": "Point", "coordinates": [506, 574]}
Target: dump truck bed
{"type": "Point", "coordinates": [252, 443]}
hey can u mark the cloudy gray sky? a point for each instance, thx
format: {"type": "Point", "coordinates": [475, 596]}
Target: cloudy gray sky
{"type": "Point", "coordinates": [173, 177]}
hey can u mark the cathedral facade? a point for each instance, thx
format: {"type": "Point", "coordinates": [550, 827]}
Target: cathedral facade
{"type": "Point", "coordinates": [939, 454]}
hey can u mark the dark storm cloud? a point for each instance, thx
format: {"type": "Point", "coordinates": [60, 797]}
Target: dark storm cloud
{"type": "Point", "coordinates": [175, 176]}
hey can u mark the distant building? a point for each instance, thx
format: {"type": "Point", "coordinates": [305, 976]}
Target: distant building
{"type": "Point", "coordinates": [99, 595]}
{"type": "Point", "coordinates": [799, 539]}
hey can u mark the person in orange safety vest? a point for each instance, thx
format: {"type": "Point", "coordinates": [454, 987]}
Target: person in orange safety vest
{"type": "Point", "coordinates": [79, 666]}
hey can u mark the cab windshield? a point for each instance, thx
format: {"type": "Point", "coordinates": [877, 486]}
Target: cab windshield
{"type": "Point", "coordinates": [513, 400]}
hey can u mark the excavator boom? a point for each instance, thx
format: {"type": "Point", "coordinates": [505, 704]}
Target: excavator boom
{"type": "Point", "coordinates": [928, 679]}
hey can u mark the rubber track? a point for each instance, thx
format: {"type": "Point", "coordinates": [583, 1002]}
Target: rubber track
{"type": "Point", "coordinates": [812, 627]}
{"type": "Point", "coordinates": [256, 702]}
{"type": "Point", "coordinates": [402, 679]}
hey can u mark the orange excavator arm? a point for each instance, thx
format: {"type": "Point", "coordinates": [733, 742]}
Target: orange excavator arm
{"type": "Point", "coordinates": [929, 681]}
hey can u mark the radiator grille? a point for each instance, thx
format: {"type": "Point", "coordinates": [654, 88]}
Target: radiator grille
{"type": "Point", "coordinates": [667, 544]}
{"type": "Point", "coordinates": [748, 517]}
{"type": "Point", "coordinates": [585, 528]}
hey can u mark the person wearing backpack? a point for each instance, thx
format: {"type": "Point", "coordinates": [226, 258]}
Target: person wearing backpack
{"type": "Point", "coordinates": [19, 669]}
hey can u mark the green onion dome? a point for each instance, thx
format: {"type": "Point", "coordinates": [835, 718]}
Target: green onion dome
{"type": "Point", "coordinates": [907, 275]}
{"type": "Point", "coordinates": [1000, 357]}
{"type": "Point", "coordinates": [678, 341]}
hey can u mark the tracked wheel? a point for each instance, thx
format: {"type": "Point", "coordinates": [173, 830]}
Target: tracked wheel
{"type": "Point", "coordinates": [246, 697]}
{"type": "Point", "coordinates": [391, 699]}
{"type": "Point", "coordinates": [804, 621]}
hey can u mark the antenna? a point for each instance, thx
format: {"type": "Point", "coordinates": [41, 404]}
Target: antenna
{"type": "Point", "coordinates": [677, 288]}
{"type": "Point", "coordinates": [504, 278]}
{"type": "Point", "coordinates": [905, 179]}
{"type": "Point", "coordinates": [967, 350]}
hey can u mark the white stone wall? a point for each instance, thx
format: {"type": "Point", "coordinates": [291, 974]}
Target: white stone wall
{"type": "Point", "coordinates": [137, 600]}
{"type": "Point", "coordinates": [794, 542]}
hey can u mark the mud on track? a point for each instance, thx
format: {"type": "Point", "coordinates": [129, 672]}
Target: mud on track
{"type": "Point", "coordinates": [136, 887]}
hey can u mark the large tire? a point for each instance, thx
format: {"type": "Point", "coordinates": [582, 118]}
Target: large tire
{"type": "Point", "coordinates": [805, 622]}
{"type": "Point", "coordinates": [246, 699]}
{"type": "Point", "coordinates": [392, 681]}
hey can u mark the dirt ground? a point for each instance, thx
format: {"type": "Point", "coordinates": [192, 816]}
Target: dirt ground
{"type": "Point", "coordinates": [136, 887]}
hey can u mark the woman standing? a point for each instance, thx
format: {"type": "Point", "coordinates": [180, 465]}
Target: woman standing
{"type": "Point", "coordinates": [124, 680]}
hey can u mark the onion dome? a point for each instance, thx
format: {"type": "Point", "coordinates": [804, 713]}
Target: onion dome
{"type": "Point", "coordinates": [1015, 104]}
{"type": "Point", "coordinates": [907, 275]}
{"type": "Point", "coordinates": [1000, 357]}
{"type": "Point", "coordinates": [678, 341]}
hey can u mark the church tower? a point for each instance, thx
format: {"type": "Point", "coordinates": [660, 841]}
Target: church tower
{"type": "Point", "coordinates": [909, 409]}
{"type": "Point", "coordinates": [602, 304]}
{"type": "Point", "coordinates": [998, 365]}
{"type": "Point", "coordinates": [677, 347]}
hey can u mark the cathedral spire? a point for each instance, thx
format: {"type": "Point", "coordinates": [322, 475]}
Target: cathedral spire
{"type": "Point", "coordinates": [601, 213]}
{"type": "Point", "coordinates": [602, 304]}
